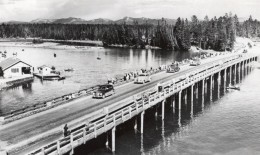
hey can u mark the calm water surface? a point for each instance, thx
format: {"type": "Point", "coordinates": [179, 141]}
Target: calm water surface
{"type": "Point", "coordinates": [88, 71]}
{"type": "Point", "coordinates": [229, 125]}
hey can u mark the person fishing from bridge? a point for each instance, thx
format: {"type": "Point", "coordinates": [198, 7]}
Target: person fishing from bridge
{"type": "Point", "coordinates": [66, 131]}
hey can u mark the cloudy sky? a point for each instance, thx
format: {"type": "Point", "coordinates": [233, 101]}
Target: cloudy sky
{"type": "Point", "coordinates": [27, 10]}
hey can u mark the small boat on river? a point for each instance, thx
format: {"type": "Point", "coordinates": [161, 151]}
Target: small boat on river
{"type": "Point", "coordinates": [69, 70]}
{"type": "Point", "coordinates": [233, 87]}
{"type": "Point", "coordinates": [61, 78]}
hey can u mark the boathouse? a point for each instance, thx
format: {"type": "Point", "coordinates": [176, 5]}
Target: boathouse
{"type": "Point", "coordinates": [45, 70]}
{"type": "Point", "coordinates": [14, 67]}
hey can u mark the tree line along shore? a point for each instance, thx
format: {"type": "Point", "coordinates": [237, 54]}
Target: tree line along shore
{"type": "Point", "coordinates": [216, 33]}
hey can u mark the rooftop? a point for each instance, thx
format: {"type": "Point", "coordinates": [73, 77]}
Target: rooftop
{"type": "Point", "coordinates": [9, 62]}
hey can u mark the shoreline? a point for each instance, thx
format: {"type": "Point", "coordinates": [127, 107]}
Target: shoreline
{"type": "Point", "coordinates": [60, 46]}
{"type": "Point", "coordinates": [47, 45]}
{"type": "Point", "coordinates": [79, 45]}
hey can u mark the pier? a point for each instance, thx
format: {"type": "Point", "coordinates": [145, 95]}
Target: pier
{"type": "Point", "coordinates": [87, 118]}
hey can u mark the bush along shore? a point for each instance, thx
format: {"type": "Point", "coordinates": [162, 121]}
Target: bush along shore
{"type": "Point", "coordinates": [216, 33]}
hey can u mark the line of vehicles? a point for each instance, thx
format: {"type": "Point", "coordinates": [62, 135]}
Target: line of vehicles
{"type": "Point", "coordinates": [108, 89]}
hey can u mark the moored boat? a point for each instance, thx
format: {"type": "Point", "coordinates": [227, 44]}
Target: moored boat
{"type": "Point", "coordinates": [69, 70]}
{"type": "Point", "coordinates": [233, 87]}
{"type": "Point", "coordinates": [47, 73]}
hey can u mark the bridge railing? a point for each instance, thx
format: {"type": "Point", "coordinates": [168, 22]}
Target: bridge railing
{"type": "Point", "coordinates": [140, 103]}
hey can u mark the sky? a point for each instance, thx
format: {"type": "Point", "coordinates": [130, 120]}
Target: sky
{"type": "Point", "coordinates": [27, 10]}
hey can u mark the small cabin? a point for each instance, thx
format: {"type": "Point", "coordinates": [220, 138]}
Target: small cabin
{"type": "Point", "coordinates": [14, 67]}
{"type": "Point", "coordinates": [45, 70]}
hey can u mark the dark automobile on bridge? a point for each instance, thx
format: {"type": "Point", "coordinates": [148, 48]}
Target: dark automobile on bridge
{"type": "Point", "coordinates": [104, 91]}
{"type": "Point", "coordinates": [173, 68]}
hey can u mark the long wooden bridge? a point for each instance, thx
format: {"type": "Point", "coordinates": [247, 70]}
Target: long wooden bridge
{"type": "Point", "coordinates": [106, 117]}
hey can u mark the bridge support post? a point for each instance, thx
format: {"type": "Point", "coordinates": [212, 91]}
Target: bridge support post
{"type": "Point", "coordinates": [250, 67]}
{"type": "Point", "coordinates": [179, 118]}
{"type": "Point", "coordinates": [163, 106]}
{"type": "Point", "coordinates": [191, 93]}
{"type": "Point", "coordinates": [244, 72]}
{"type": "Point", "coordinates": [245, 63]}
{"type": "Point", "coordinates": [142, 122]}
{"type": "Point", "coordinates": [235, 74]}
{"type": "Point", "coordinates": [212, 81]}
{"type": "Point", "coordinates": [242, 69]}
{"type": "Point", "coordinates": [185, 96]}
{"type": "Point", "coordinates": [202, 92]}
{"type": "Point", "coordinates": [225, 79]}
{"type": "Point", "coordinates": [246, 67]}
{"type": "Point", "coordinates": [210, 87]}
{"type": "Point", "coordinates": [197, 90]}
{"type": "Point", "coordinates": [239, 68]}
{"type": "Point", "coordinates": [135, 124]}
{"type": "Point", "coordinates": [179, 100]}
{"type": "Point", "coordinates": [114, 139]}
{"type": "Point", "coordinates": [219, 83]}
{"type": "Point", "coordinates": [173, 103]}
{"type": "Point", "coordinates": [206, 87]}
{"type": "Point", "coordinates": [191, 100]}
{"type": "Point", "coordinates": [230, 75]}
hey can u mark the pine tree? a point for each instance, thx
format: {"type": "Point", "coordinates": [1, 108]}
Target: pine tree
{"type": "Point", "coordinates": [186, 37]}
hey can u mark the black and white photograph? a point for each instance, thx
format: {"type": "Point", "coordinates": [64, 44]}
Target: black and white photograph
{"type": "Point", "coordinates": [129, 77]}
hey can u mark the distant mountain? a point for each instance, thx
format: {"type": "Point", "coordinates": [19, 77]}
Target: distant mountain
{"type": "Point", "coordinates": [100, 21]}
{"type": "Point", "coordinates": [15, 22]}
{"type": "Point", "coordinates": [43, 21]}
{"type": "Point", "coordinates": [72, 20]}
{"type": "Point", "coordinates": [143, 20]}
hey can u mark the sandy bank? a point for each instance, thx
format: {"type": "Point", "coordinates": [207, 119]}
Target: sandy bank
{"type": "Point", "coordinates": [240, 44]}
{"type": "Point", "coordinates": [47, 45]}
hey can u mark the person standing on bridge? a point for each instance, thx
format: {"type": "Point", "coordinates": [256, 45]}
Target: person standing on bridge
{"type": "Point", "coordinates": [65, 130]}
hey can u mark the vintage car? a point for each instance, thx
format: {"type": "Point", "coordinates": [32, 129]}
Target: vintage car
{"type": "Point", "coordinates": [195, 62]}
{"type": "Point", "coordinates": [142, 78]}
{"type": "Point", "coordinates": [104, 91]}
{"type": "Point", "coordinates": [173, 68]}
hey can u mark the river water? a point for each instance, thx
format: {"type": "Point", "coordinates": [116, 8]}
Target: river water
{"type": "Point", "coordinates": [88, 70]}
{"type": "Point", "coordinates": [229, 125]}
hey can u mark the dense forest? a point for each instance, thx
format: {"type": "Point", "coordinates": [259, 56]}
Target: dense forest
{"type": "Point", "coordinates": [216, 33]}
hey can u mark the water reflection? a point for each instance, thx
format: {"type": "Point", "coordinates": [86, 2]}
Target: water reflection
{"type": "Point", "coordinates": [88, 70]}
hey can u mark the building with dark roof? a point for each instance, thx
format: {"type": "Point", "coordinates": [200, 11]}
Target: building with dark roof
{"type": "Point", "coordinates": [14, 67]}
